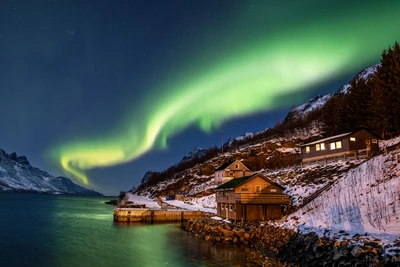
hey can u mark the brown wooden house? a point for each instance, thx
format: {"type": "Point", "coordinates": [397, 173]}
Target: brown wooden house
{"type": "Point", "coordinates": [356, 144]}
{"type": "Point", "coordinates": [229, 170]}
{"type": "Point", "coordinates": [251, 198]}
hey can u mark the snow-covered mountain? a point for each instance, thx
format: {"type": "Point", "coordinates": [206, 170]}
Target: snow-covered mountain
{"type": "Point", "coordinates": [17, 175]}
{"type": "Point", "coordinates": [319, 101]}
{"type": "Point", "coordinates": [197, 152]}
{"type": "Point", "coordinates": [243, 137]}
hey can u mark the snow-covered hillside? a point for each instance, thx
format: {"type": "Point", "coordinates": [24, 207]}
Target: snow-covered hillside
{"type": "Point", "coordinates": [17, 175]}
{"type": "Point", "coordinates": [365, 200]}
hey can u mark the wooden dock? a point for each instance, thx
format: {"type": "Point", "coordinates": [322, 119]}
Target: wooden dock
{"type": "Point", "coordinates": [152, 216]}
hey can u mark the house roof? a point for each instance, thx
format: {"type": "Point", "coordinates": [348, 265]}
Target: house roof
{"type": "Point", "coordinates": [235, 182]}
{"type": "Point", "coordinates": [337, 137]}
{"type": "Point", "coordinates": [327, 139]}
{"type": "Point", "coordinates": [225, 165]}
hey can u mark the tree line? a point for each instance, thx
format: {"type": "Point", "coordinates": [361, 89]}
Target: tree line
{"type": "Point", "coordinates": [372, 103]}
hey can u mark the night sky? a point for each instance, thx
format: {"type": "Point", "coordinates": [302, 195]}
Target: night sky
{"type": "Point", "coordinates": [103, 91]}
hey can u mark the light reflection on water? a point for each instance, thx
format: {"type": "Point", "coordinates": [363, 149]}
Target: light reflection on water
{"type": "Point", "coordinates": [47, 230]}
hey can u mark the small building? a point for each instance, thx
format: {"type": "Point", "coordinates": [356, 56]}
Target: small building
{"type": "Point", "coordinates": [344, 146]}
{"type": "Point", "coordinates": [229, 170]}
{"type": "Point", "coordinates": [170, 197]}
{"type": "Point", "coordinates": [180, 195]}
{"type": "Point", "coordinates": [251, 198]}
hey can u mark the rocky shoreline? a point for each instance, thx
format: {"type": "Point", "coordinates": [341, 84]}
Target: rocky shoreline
{"type": "Point", "coordinates": [287, 247]}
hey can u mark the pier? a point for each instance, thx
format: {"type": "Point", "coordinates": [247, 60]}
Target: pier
{"type": "Point", "coordinates": [152, 215]}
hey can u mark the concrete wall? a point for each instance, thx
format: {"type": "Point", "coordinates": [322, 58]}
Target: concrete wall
{"type": "Point", "coordinates": [146, 215]}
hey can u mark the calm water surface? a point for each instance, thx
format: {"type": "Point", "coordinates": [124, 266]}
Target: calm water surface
{"type": "Point", "coordinates": [48, 230]}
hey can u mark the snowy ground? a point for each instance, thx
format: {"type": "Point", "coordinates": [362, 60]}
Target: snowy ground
{"type": "Point", "coordinates": [205, 204]}
{"type": "Point", "coordinates": [365, 201]}
{"type": "Point", "coordinates": [182, 205]}
{"type": "Point", "coordinates": [143, 200]}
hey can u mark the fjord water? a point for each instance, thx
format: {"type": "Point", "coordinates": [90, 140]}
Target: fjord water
{"type": "Point", "coordinates": [54, 230]}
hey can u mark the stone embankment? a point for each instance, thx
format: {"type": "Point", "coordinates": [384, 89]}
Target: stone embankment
{"type": "Point", "coordinates": [293, 247]}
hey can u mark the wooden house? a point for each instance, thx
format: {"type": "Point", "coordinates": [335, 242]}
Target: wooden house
{"type": "Point", "coordinates": [361, 143]}
{"type": "Point", "coordinates": [229, 170]}
{"type": "Point", "coordinates": [251, 198]}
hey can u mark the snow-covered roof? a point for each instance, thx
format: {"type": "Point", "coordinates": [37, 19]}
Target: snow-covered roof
{"type": "Point", "coordinates": [328, 138]}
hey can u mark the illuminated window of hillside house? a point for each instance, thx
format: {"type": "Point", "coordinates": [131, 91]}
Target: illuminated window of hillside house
{"type": "Point", "coordinates": [273, 190]}
{"type": "Point", "coordinates": [338, 144]}
{"type": "Point", "coordinates": [307, 149]}
{"type": "Point", "coordinates": [332, 146]}
{"type": "Point", "coordinates": [322, 146]}
{"type": "Point", "coordinates": [374, 141]}
{"type": "Point", "coordinates": [317, 147]}
{"type": "Point", "coordinates": [353, 139]}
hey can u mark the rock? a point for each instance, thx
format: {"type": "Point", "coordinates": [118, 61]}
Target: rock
{"type": "Point", "coordinates": [356, 251]}
{"type": "Point", "coordinates": [337, 257]}
{"type": "Point", "coordinates": [246, 236]}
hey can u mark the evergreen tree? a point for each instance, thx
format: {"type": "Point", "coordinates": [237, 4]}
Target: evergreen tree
{"type": "Point", "coordinates": [385, 93]}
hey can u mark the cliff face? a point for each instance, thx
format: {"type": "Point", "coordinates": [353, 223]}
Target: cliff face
{"type": "Point", "coordinates": [17, 175]}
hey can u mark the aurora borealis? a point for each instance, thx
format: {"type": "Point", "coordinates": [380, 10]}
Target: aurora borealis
{"type": "Point", "coordinates": [230, 60]}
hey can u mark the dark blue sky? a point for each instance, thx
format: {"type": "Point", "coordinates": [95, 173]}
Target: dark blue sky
{"type": "Point", "coordinates": [76, 72]}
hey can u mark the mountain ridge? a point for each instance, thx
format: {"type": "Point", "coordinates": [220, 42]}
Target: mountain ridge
{"type": "Point", "coordinates": [17, 175]}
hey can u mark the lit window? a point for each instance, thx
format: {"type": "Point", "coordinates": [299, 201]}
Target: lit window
{"type": "Point", "coordinates": [317, 147]}
{"type": "Point", "coordinates": [374, 141]}
{"type": "Point", "coordinates": [322, 146]}
{"type": "Point", "coordinates": [353, 139]}
{"type": "Point", "coordinates": [332, 146]}
{"type": "Point", "coordinates": [307, 149]}
{"type": "Point", "coordinates": [222, 206]}
{"type": "Point", "coordinates": [338, 144]}
{"type": "Point", "coordinates": [273, 190]}
{"type": "Point", "coordinates": [368, 141]}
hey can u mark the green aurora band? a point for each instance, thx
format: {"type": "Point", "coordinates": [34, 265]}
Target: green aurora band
{"type": "Point", "coordinates": [256, 78]}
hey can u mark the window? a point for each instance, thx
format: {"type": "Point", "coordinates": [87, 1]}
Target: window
{"type": "Point", "coordinates": [338, 144]}
{"type": "Point", "coordinates": [273, 190]}
{"type": "Point", "coordinates": [318, 147]}
{"type": "Point", "coordinates": [258, 189]}
{"type": "Point", "coordinates": [222, 206]}
{"type": "Point", "coordinates": [307, 149]}
{"type": "Point", "coordinates": [230, 207]}
{"type": "Point", "coordinates": [333, 146]}
{"type": "Point", "coordinates": [218, 193]}
{"type": "Point", "coordinates": [368, 142]}
{"type": "Point", "coordinates": [353, 139]}
{"type": "Point", "coordinates": [374, 141]}
{"type": "Point", "coordinates": [237, 166]}
{"type": "Point", "coordinates": [244, 189]}
{"type": "Point", "coordinates": [226, 206]}
{"type": "Point", "coordinates": [322, 146]}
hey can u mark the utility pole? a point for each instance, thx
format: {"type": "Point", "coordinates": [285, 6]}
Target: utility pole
{"type": "Point", "coordinates": [222, 146]}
